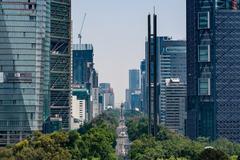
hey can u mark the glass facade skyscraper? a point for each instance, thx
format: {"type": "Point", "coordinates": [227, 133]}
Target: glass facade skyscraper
{"type": "Point", "coordinates": [213, 68]}
{"type": "Point", "coordinates": [143, 87]}
{"type": "Point", "coordinates": [134, 79]}
{"type": "Point", "coordinates": [171, 55]}
{"type": "Point", "coordinates": [134, 85]}
{"type": "Point", "coordinates": [171, 64]}
{"type": "Point", "coordinates": [82, 62]}
{"type": "Point", "coordinates": [24, 67]}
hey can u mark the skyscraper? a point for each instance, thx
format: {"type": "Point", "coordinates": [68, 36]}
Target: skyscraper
{"type": "Point", "coordinates": [104, 87]}
{"type": "Point", "coordinates": [152, 76]}
{"type": "Point", "coordinates": [134, 80]}
{"type": "Point", "coordinates": [176, 114]}
{"type": "Point", "coordinates": [171, 64]}
{"type": "Point", "coordinates": [108, 95]}
{"type": "Point", "coordinates": [134, 84]}
{"type": "Point", "coordinates": [213, 68]}
{"type": "Point", "coordinates": [82, 61]}
{"type": "Point", "coordinates": [143, 86]}
{"type": "Point", "coordinates": [24, 68]}
{"type": "Point", "coordinates": [60, 61]}
{"type": "Point", "coordinates": [127, 99]}
{"type": "Point", "coordinates": [95, 108]}
{"type": "Point", "coordinates": [136, 100]}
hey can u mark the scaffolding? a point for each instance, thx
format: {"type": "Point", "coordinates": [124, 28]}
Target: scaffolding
{"type": "Point", "coordinates": [60, 67]}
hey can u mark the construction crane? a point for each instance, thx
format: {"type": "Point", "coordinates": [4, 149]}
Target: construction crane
{"type": "Point", "coordinates": [80, 33]}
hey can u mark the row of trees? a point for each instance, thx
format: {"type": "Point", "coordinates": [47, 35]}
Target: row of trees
{"type": "Point", "coordinates": [95, 140]}
{"type": "Point", "coordinates": [169, 145]}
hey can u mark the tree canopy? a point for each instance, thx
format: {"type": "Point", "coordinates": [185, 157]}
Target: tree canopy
{"type": "Point", "coordinates": [169, 145]}
{"type": "Point", "coordinates": [95, 140]}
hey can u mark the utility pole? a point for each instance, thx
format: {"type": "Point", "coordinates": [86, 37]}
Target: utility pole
{"type": "Point", "coordinates": [152, 77]}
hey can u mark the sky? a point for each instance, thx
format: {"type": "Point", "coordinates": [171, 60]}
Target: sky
{"type": "Point", "coordinates": [118, 28]}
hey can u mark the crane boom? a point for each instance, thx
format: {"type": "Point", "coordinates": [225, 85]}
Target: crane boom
{"type": "Point", "coordinates": [80, 33]}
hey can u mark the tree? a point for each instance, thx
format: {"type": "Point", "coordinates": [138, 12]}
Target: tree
{"type": "Point", "coordinates": [173, 144]}
{"type": "Point", "coordinates": [226, 146]}
{"type": "Point", "coordinates": [146, 148]}
{"type": "Point", "coordinates": [99, 143]}
{"type": "Point", "coordinates": [6, 154]}
{"type": "Point", "coordinates": [212, 154]}
{"type": "Point", "coordinates": [95, 140]}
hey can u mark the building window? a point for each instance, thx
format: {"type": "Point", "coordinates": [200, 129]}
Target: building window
{"type": "Point", "coordinates": [204, 53]}
{"type": "Point", "coordinates": [33, 45]}
{"type": "Point", "coordinates": [32, 18]}
{"type": "Point", "coordinates": [204, 86]}
{"type": "Point", "coordinates": [228, 4]}
{"type": "Point", "coordinates": [203, 20]}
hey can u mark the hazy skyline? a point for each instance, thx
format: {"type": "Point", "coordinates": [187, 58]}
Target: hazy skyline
{"type": "Point", "coordinates": [117, 30]}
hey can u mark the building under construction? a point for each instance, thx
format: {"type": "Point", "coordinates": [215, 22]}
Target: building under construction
{"type": "Point", "coordinates": [60, 66]}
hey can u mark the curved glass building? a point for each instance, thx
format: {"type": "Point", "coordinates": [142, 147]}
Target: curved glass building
{"type": "Point", "coordinates": [24, 67]}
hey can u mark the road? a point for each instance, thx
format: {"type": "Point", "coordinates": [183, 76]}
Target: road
{"type": "Point", "coordinates": [123, 144]}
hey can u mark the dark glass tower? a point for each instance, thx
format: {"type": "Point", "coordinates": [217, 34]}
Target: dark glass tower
{"type": "Point", "coordinates": [134, 80]}
{"type": "Point", "coordinates": [82, 62]}
{"type": "Point", "coordinates": [213, 68]}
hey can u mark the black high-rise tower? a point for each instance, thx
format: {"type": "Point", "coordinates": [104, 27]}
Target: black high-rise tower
{"type": "Point", "coordinates": [152, 76]}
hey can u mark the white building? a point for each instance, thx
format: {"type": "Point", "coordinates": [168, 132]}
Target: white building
{"type": "Point", "coordinates": [78, 112]}
{"type": "Point", "coordinates": [176, 114]}
{"type": "Point", "coordinates": [108, 100]}
{"type": "Point", "coordinates": [95, 103]}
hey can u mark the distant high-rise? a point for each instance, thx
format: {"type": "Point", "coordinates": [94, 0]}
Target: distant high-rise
{"type": "Point", "coordinates": [134, 84]}
{"type": "Point", "coordinates": [134, 80]}
{"type": "Point", "coordinates": [172, 64]}
{"type": "Point", "coordinates": [176, 114]}
{"type": "Point", "coordinates": [108, 95]}
{"type": "Point", "coordinates": [60, 60]}
{"type": "Point", "coordinates": [213, 70]}
{"type": "Point", "coordinates": [143, 87]}
{"type": "Point", "coordinates": [104, 87]}
{"type": "Point", "coordinates": [95, 108]}
{"type": "Point", "coordinates": [127, 99]}
{"type": "Point", "coordinates": [136, 100]}
{"type": "Point", "coordinates": [24, 68]}
{"type": "Point", "coordinates": [82, 62]}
